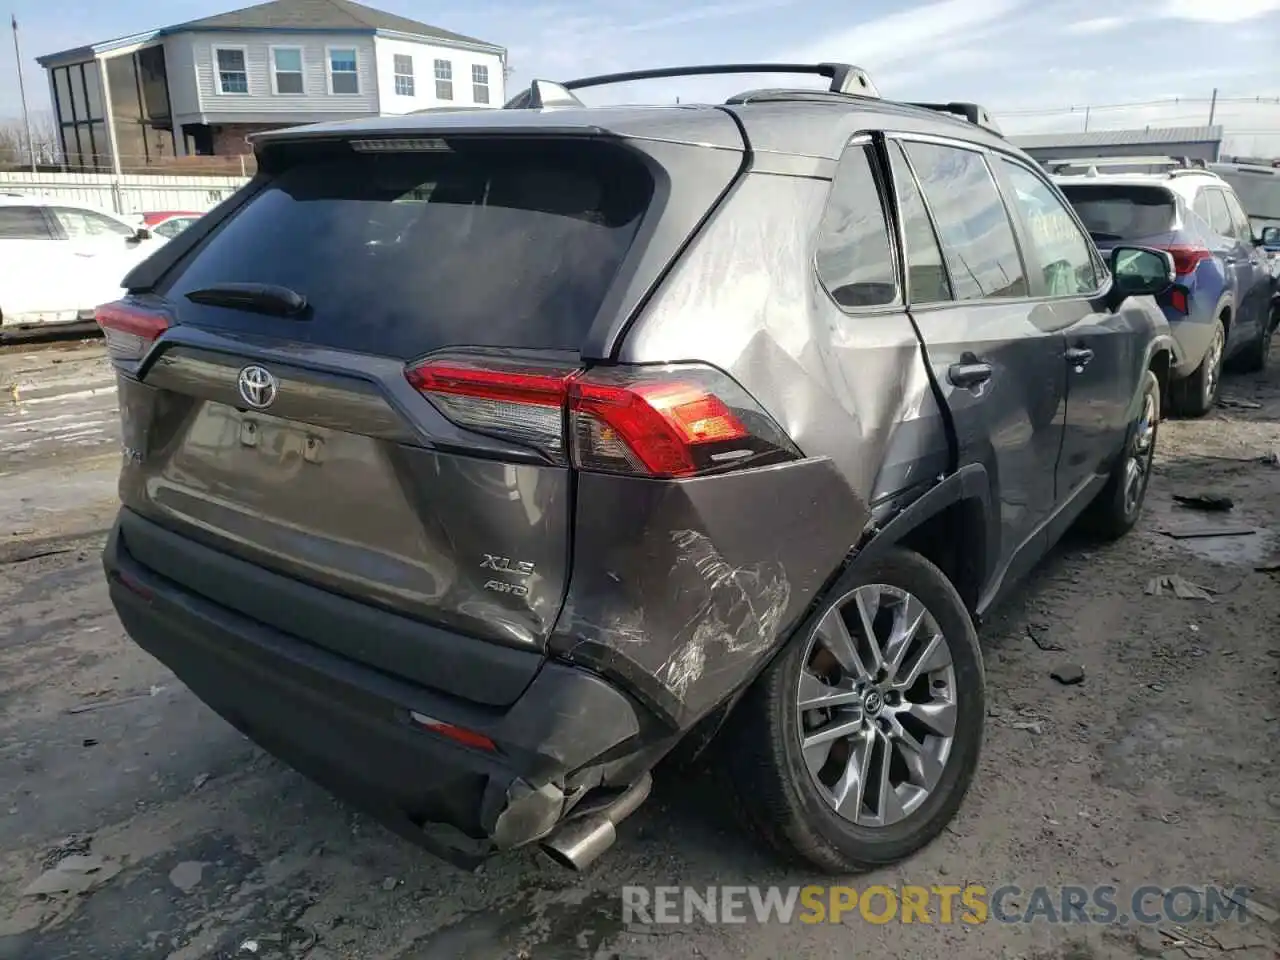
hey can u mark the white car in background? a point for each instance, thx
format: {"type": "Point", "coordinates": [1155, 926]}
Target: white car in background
{"type": "Point", "coordinates": [59, 260]}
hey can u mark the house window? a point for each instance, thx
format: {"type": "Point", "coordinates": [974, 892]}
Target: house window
{"type": "Point", "coordinates": [479, 83]}
{"type": "Point", "coordinates": [342, 71]}
{"type": "Point", "coordinates": [403, 66]}
{"type": "Point", "coordinates": [444, 80]}
{"type": "Point", "coordinates": [233, 76]}
{"type": "Point", "coordinates": [286, 71]}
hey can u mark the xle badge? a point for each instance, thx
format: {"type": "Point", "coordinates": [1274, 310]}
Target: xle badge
{"type": "Point", "coordinates": [513, 568]}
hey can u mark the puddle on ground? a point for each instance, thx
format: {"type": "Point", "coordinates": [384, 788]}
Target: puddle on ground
{"type": "Point", "coordinates": [1234, 547]}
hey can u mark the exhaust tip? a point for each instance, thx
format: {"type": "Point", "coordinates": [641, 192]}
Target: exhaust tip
{"type": "Point", "coordinates": [580, 842]}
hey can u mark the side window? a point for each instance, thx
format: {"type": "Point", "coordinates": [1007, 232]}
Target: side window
{"type": "Point", "coordinates": [925, 271]}
{"type": "Point", "coordinates": [80, 224]}
{"type": "Point", "coordinates": [977, 238]}
{"type": "Point", "coordinates": [1239, 219]}
{"type": "Point", "coordinates": [1219, 215]}
{"type": "Point", "coordinates": [1059, 249]}
{"type": "Point", "coordinates": [23, 223]}
{"type": "Point", "coordinates": [855, 254]}
{"type": "Point", "coordinates": [1202, 208]}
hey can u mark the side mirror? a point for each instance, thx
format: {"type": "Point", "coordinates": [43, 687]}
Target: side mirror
{"type": "Point", "coordinates": [1270, 237]}
{"type": "Point", "coordinates": [1141, 271]}
{"type": "Point", "coordinates": [142, 234]}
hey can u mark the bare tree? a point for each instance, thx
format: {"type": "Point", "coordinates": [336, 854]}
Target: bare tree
{"type": "Point", "coordinates": [44, 135]}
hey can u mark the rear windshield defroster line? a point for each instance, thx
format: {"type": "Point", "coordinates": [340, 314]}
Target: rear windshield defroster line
{"type": "Point", "coordinates": [495, 244]}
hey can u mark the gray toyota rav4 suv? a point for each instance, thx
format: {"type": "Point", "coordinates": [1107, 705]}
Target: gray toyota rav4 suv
{"type": "Point", "coordinates": [474, 461]}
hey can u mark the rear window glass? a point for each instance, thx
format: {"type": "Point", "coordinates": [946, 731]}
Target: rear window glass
{"type": "Point", "coordinates": [401, 253]}
{"type": "Point", "coordinates": [1116, 212]}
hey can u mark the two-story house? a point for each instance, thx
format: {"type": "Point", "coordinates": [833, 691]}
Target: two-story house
{"type": "Point", "coordinates": [199, 88]}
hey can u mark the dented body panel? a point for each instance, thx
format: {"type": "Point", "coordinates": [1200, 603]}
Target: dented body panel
{"type": "Point", "coordinates": [678, 598]}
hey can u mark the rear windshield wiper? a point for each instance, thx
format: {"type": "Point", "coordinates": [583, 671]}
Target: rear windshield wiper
{"type": "Point", "coordinates": [256, 297]}
{"type": "Point", "coordinates": [1096, 235]}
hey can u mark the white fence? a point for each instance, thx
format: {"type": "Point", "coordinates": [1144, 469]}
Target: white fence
{"type": "Point", "coordinates": [125, 194]}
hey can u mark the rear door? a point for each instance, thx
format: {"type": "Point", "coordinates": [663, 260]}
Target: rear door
{"type": "Point", "coordinates": [996, 356]}
{"type": "Point", "coordinates": [1226, 246]}
{"type": "Point", "coordinates": [34, 276]}
{"type": "Point", "coordinates": [296, 440]}
{"type": "Point", "coordinates": [1254, 270]}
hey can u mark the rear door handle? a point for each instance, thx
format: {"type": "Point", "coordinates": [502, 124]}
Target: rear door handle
{"type": "Point", "coordinates": [1079, 356]}
{"type": "Point", "coordinates": [969, 374]}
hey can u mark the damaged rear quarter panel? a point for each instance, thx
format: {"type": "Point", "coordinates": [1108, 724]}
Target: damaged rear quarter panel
{"type": "Point", "coordinates": [682, 587]}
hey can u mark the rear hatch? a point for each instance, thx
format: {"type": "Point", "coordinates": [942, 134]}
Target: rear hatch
{"type": "Point", "coordinates": [281, 415]}
{"type": "Point", "coordinates": [1133, 214]}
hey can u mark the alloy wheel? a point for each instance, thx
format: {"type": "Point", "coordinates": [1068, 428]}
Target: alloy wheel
{"type": "Point", "coordinates": [877, 705]}
{"type": "Point", "coordinates": [1138, 465]}
{"type": "Point", "coordinates": [1213, 365]}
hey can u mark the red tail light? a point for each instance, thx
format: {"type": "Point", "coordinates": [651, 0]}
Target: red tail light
{"type": "Point", "coordinates": [460, 735]}
{"type": "Point", "coordinates": [673, 421]}
{"type": "Point", "coordinates": [1187, 258]}
{"type": "Point", "coordinates": [129, 329]}
{"type": "Point", "coordinates": [1178, 300]}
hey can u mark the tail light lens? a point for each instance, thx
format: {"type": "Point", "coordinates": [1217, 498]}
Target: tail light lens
{"type": "Point", "coordinates": [671, 421]}
{"type": "Point", "coordinates": [129, 329]}
{"type": "Point", "coordinates": [1177, 299]}
{"type": "Point", "coordinates": [1187, 258]}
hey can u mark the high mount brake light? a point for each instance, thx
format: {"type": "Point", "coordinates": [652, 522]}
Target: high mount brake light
{"type": "Point", "coordinates": [129, 330]}
{"type": "Point", "coordinates": [673, 421]}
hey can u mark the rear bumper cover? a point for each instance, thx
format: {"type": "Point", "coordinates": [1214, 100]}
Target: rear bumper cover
{"type": "Point", "coordinates": [350, 727]}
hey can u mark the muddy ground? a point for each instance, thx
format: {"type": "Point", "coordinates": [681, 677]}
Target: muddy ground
{"type": "Point", "coordinates": [1159, 768]}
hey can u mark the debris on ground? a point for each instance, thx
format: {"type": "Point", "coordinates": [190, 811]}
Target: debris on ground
{"type": "Point", "coordinates": [1068, 674]}
{"type": "Point", "coordinates": [75, 844]}
{"type": "Point", "coordinates": [1039, 634]}
{"type": "Point", "coordinates": [1198, 533]}
{"type": "Point", "coordinates": [78, 873]}
{"type": "Point", "coordinates": [199, 781]}
{"type": "Point", "coordinates": [186, 876]}
{"type": "Point", "coordinates": [389, 884]}
{"type": "Point", "coordinates": [1178, 585]}
{"type": "Point", "coordinates": [1237, 404]}
{"type": "Point", "coordinates": [1211, 502]}
{"type": "Point", "coordinates": [1031, 726]}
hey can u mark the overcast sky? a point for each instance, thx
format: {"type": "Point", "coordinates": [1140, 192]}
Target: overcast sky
{"type": "Point", "coordinates": [1027, 60]}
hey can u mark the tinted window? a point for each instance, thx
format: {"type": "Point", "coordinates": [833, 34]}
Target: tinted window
{"type": "Point", "coordinates": [82, 224]}
{"type": "Point", "coordinates": [855, 259]}
{"type": "Point", "coordinates": [23, 223]}
{"type": "Point", "coordinates": [1059, 250]}
{"type": "Point", "coordinates": [977, 238]}
{"type": "Point", "coordinates": [403, 253]}
{"type": "Point", "coordinates": [929, 283]}
{"type": "Point", "coordinates": [1201, 206]}
{"type": "Point", "coordinates": [1114, 212]}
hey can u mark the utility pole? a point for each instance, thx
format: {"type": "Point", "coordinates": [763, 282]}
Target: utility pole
{"type": "Point", "coordinates": [22, 93]}
{"type": "Point", "coordinates": [1086, 119]}
{"type": "Point", "coordinates": [1213, 105]}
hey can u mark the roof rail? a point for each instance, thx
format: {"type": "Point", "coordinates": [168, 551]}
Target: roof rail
{"type": "Point", "coordinates": [973, 112]}
{"type": "Point", "coordinates": [1175, 164]}
{"type": "Point", "coordinates": [845, 78]}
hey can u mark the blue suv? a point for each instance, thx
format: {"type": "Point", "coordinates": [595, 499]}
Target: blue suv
{"type": "Point", "coordinates": [1221, 307]}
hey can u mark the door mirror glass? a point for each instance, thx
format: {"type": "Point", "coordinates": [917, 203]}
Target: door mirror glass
{"type": "Point", "coordinates": [1142, 271]}
{"type": "Point", "coordinates": [1270, 237]}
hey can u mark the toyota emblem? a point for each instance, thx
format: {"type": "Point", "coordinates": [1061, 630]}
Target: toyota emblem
{"type": "Point", "coordinates": [257, 387]}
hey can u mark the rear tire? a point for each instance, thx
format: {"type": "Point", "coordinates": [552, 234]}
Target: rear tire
{"type": "Point", "coordinates": [1255, 356]}
{"type": "Point", "coordinates": [925, 717]}
{"type": "Point", "coordinates": [1119, 505]}
{"type": "Point", "coordinates": [1194, 396]}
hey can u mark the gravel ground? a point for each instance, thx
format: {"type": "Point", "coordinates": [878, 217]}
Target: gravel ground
{"type": "Point", "coordinates": [1160, 767]}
